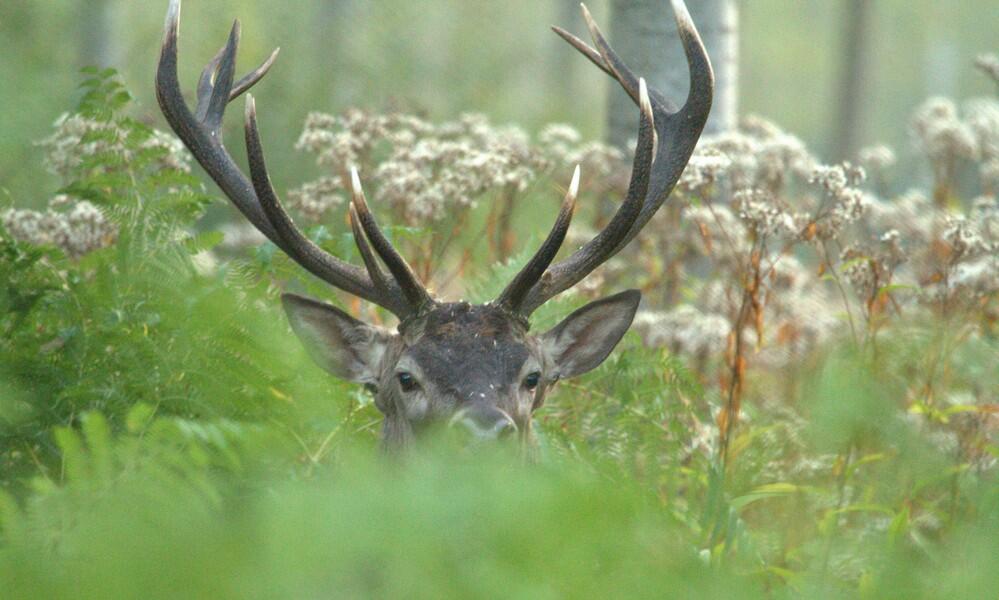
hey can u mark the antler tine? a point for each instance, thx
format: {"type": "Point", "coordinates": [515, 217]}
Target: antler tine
{"type": "Point", "coordinates": [300, 248]}
{"type": "Point", "coordinates": [676, 131]}
{"type": "Point", "coordinates": [218, 97]}
{"type": "Point", "coordinates": [250, 79]}
{"type": "Point", "coordinates": [203, 143]}
{"type": "Point", "coordinates": [206, 82]}
{"type": "Point", "coordinates": [210, 72]}
{"type": "Point", "coordinates": [201, 133]}
{"type": "Point", "coordinates": [513, 295]}
{"type": "Point", "coordinates": [370, 262]}
{"type": "Point", "coordinates": [572, 270]}
{"type": "Point", "coordinates": [414, 291]}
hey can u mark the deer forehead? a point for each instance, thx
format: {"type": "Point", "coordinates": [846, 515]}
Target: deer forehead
{"type": "Point", "coordinates": [468, 346]}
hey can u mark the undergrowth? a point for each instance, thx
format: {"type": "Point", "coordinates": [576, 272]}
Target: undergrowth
{"type": "Point", "coordinates": [162, 434]}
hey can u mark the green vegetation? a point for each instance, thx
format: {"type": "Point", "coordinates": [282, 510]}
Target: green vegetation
{"type": "Point", "coordinates": [162, 433]}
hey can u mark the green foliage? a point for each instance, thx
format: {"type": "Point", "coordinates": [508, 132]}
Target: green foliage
{"type": "Point", "coordinates": [135, 322]}
{"type": "Point", "coordinates": [162, 434]}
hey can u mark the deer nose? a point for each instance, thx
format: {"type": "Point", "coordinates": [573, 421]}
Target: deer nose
{"type": "Point", "coordinates": [486, 424]}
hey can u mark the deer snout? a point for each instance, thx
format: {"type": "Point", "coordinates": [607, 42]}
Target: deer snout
{"type": "Point", "coordinates": [486, 423]}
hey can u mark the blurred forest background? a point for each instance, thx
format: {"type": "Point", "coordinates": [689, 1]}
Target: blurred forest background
{"type": "Point", "coordinates": [807, 404]}
{"type": "Point", "coordinates": [445, 57]}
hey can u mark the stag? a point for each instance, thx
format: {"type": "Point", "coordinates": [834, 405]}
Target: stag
{"type": "Point", "coordinates": [475, 366]}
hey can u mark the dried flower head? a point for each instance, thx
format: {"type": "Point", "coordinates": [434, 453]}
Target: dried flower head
{"type": "Point", "coordinates": [77, 138]}
{"type": "Point", "coordinates": [761, 213]}
{"type": "Point", "coordinates": [877, 158]}
{"type": "Point", "coordinates": [422, 170]}
{"type": "Point", "coordinates": [317, 198]}
{"type": "Point", "coordinates": [79, 230]}
{"type": "Point", "coordinates": [941, 134]}
{"type": "Point", "coordinates": [684, 329]}
{"type": "Point", "coordinates": [964, 238]}
{"type": "Point", "coordinates": [707, 165]}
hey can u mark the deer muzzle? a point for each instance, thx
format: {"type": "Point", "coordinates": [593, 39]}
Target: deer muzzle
{"type": "Point", "coordinates": [484, 422]}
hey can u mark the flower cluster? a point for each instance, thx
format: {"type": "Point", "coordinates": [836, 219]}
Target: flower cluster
{"type": "Point", "coordinates": [564, 148]}
{"type": "Point", "coordinates": [754, 160]}
{"type": "Point", "coordinates": [761, 214]}
{"type": "Point", "coordinates": [982, 117]}
{"type": "Point", "coordinates": [752, 168]}
{"type": "Point", "coordinates": [877, 159]}
{"type": "Point", "coordinates": [420, 169]}
{"type": "Point", "coordinates": [78, 138]}
{"type": "Point", "coordinates": [784, 250]}
{"type": "Point", "coordinates": [452, 166]}
{"type": "Point", "coordinates": [78, 230]}
{"type": "Point", "coordinates": [703, 171]}
{"type": "Point", "coordinates": [963, 237]}
{"type": "Point", "coordinates": [845, 202]}
{"type": "Point", "coordinates": [683, 329]}
{"type": "Point", "coordinates": [316, 198]}
{"type": "Point", "coordinates": [941, 134]}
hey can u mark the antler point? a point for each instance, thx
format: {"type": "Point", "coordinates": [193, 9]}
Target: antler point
{"type": "Point", "coordinates": [357, 192]}
{"type": "Point", "coordinates": [643, 98]}
{"type": "Point", "coordinates": [251, 109]}
{"type": "Point", "coordinates": [355, 180]}
{"type": "Point", "coordinates": [682, 15]}
{"type": "Point", "coordinates": [574, 185]}
{"type": "Point", "coordinates": [172, 25]}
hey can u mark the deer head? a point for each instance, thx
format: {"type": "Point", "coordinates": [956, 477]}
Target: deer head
{"type": "Point", "coordinates": [476, 366]}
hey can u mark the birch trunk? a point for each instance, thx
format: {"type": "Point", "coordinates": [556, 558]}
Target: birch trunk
{"type": "Point", "coordinates": [97, 41]}
{"type": "Point", "coordinates": [644, 34]}
{"type": "Point", "coordinates": [849, 122]}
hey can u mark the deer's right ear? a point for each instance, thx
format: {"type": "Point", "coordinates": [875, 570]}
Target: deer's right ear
{"type": "Point", "coordinates": [339, 343]}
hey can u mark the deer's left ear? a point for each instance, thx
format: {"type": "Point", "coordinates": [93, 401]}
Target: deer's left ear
{"type": "Point", "coordinates": [586, 337]}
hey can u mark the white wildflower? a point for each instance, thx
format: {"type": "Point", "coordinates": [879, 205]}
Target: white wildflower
{"type": "Point", "coordinates": [317, 198]}
{"type": "Point", "coordinates": [942, 136]}
{"type": "Point", "coordinates": [877, 158]}
{"type": "Point", "coordinates": [760, 212]}
{"type": "Point", "coordinates": [77, 138]}
{"type": "Point", "coordinates": [963, 237]}
{"type": "Point", "coordinates": [706, 166]}
{"type": "Point", "coordinates": [683, 330]}
{"type": "Point", "coordinates": [82, 229]}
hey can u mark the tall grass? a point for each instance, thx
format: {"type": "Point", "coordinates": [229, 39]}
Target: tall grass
{"type": "Point", "coordinates": [162, 434]}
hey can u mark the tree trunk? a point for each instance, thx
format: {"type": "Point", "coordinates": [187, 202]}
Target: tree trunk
{"type": "Point", "coordinates": [853, 80]}
{"type": "Point", "coordinates": [561, 58]}
{"type": "Point", "coordinates": [644, 34]}
{"type": "Point", "coordinates": [97, 42]}
{"type": "Point", "coordinates": [332, 24]}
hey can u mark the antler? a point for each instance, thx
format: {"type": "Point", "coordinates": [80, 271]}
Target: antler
{"type": "Point", "coordinates": [655, 170]}
{"type": "Point", "coordinates": [201, 132]}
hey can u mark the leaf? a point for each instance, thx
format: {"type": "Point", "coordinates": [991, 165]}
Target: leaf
{"type": "Point", "coordinates": [852, 263]}
{"type": "Point", "coordinates": [203, 241]}
{"type": "Point", "coordinates": [870, 458]}
{"type": "Point", "coordinates": [899, 525]}
{"type": "Point", "coordinates": [120, 100]}
{"type": "Point", "coordinates": [139, 417]}
{"type": "Point", "coordinates": [770, 490]}
{"type": "Point", "coordinates": [98, 436]}
{"type": "Point", "coordinates": [894, 287]}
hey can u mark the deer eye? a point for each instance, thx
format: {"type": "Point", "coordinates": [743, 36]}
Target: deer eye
{"type": "Point", "coordinates": [407, 382]}
{"type": "Point", "coordinates": [532, 380]}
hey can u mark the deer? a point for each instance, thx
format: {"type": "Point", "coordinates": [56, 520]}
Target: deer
{"type": "Point", "coordinates": [474, 367]}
